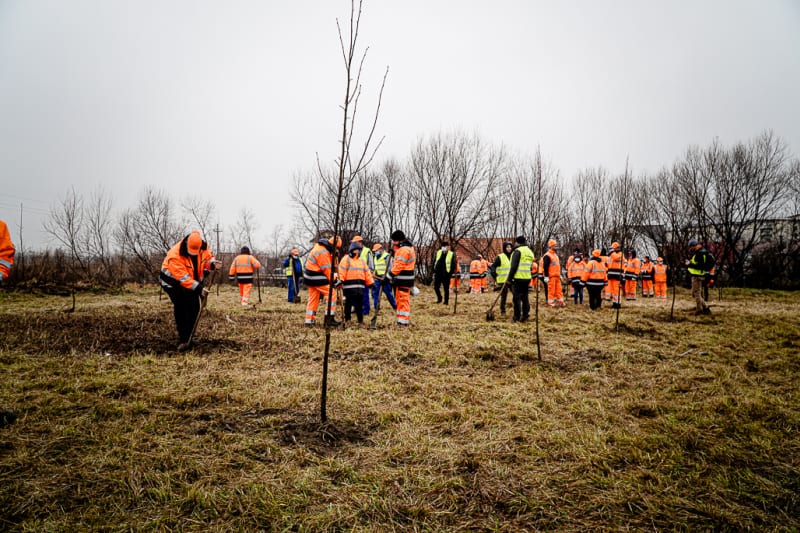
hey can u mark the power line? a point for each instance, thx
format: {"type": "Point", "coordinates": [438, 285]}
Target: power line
{"type": "Point", "coordinates": [25, 198]}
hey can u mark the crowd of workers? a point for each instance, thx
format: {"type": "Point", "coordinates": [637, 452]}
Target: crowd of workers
{"type": "Point", "coordinates": [366, 273]}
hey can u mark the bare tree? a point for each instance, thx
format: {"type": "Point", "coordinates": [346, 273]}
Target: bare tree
{"type": "Point", "coordinates": [99, 225]}
{"type": "Point", "coordinates": [148, 231]}
{"type": "Point", "coordinates": [66, 225]}
{"type": "Point", "coordinates": [733, 193]}
{"type": "Point", "coordinates": [590, 221]}
{"type": "Point", "coordinates": [451, 174]}
{"type": "Point", "coordinates": [200, 212]}
{"type": "Point", "coordinates": [350, 162]}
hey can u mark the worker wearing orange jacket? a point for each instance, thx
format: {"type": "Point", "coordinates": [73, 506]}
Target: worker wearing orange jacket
{"type": "Point", "coordinates": [605, 293]}
{"type": "Point", "coordinates": [614, 274]}
{"type": "Point", "coordinates": [575, 276]}
{"type": "Point", "coordinates": [317, 275]}
{"type": "Point", "coordinates": [595, 277]}
{"type": "Point", "coordinates": [660, 279]}
{"type": "Point", "coordinates": [402, 273]}
{"type": "Point", "coordinates": [631, 269]}
{"type": "Point", "coordinates": [242, 270]}
{"type": "Point", "coordinates": [6, 251]}
{"type": "Point", "coordinates": [455, 281]}
{"type": "Point", "coordinates": [356, 277]}
{"type": "Point", "coordinates": [475, 275]}
{"type": "Point", "coordinates": [484, 273]}
{"type": "Point", "coordinates": [182, 273]}
{"type": "Point", "coordinates": [646, 273]}
{"type": "Point", "coordinates": [551, 267]}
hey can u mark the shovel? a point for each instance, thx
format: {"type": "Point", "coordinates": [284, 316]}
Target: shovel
{"type": "Point", "coordinates": [490, 312]}
{"type": "Point", "coordinates": [203, 300]}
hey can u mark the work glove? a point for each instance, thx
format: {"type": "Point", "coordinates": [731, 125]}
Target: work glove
{"type": "Point", "coordinates": [199, 290]}
{"type": "Point", "coordinates": [546, 279]}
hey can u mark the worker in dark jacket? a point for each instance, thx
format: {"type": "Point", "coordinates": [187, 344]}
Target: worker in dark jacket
{"type": "Point", "coordinates": [519, 276]}
{"type": "Point", "coordinates": [699, 266]}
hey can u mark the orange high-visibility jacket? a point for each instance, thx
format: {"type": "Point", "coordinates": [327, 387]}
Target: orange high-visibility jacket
{"type": "Point", "coordinates": [243, 267]}
{"type": "Point", "coordinates": [6, 251]}
{"type": "Point", "coordinates": [552, 265]}
{"type": "Point", "coordinates": [575, 270]}
{"type": "Point", "coordinates": [632, 268]}
{"type": "Point", "coordinates": [476, 269]}
{"type": "Point", "coordinates": [646, 271]}
{"type": "Point", "coordinates": [615, 265]}
{"type": "Point", "coordinates": [404, 265]}
{"type": "Point", "coordinates": [179, 267]}
{"type": "Point", "coordinates": [595, 273]}
{"type": "Point", "coordinates": [660, 273]}
{"type": "Point", "coordinates": [318, 266]}
{"type": "Point", "coordinates": [354, 273]}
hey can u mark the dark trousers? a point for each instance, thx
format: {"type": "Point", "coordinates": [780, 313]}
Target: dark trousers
{"type": "Point", "coordinates": [442, 282]}
{"type": "Point", "coordinates": [503, 298]}
{"type": "Point", "coordinates": [577, 292]}
{"type": "Point", "coordinates": [354, 300]}
{"type": "Point", "coordinates": [186, 305]}
{"type": "Point", "coordinates": [522, 307]}
{"type": "Point", "coordinates": [595, 296]}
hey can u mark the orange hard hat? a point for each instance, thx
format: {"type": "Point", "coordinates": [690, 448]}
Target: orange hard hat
{"type": "Point", "coordinates": [614, 245]}
{"type": "Point", "coordinates": [338, 241]}
{"type": "Point", "coordinates": [377, 246]}
{"type": "Point", "coordinates": [552, 243]}
{"type": "Point", "coordinates": [595, 253]}
{"type": "Point", "coordinates": [357, 238]}
{"type": "Point", "coordinates": [194, 242]}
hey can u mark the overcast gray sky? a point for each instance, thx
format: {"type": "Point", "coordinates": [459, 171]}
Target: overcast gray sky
{"type": "Point", "coordinates": [230, 99]}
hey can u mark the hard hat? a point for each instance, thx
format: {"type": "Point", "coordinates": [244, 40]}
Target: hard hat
{"type": "Point", "coordinates": [194, 242]}
{"type": "Point", "coordinates": [377, 246]}
{"type": "Point", "coordinates": [338, 241]}
{"type": "Point", "coordinates": [595, 253]}
{"type": "Point", "coordinates": [551, 243]}
{"type": "Point", "coordinates": [357, 238]}
{"type": "Point", "coordinates": [615, 245]}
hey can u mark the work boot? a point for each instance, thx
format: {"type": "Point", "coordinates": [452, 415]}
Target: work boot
{"type": "Point", "coordinates": [332, 322]}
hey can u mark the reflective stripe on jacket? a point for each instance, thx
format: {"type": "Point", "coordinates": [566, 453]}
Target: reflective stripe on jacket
{"type": "Point", "coordinates": [243, 267]}
{"type": "Point", "coordinates": [632, 267]}
{"type": "Point", "coordinates": [354, 274]}
{"type": "Point", "coordinates": [179, 268]}
{"type": "Point", "coordinates": [381, 262]}
{"type": "Point", "coordinates": [404, 265]}
{"type": "Point", "coordinates": [502, 270]}
{"type": "Point", "coordinates": [660, 273]}
{"type": "Point", "coordinates": [318, 266]}
{"type": "Point", "coordinates": [615, 265]}
{"type": "Point", "coordinates": [595, 273]}
{"type": "Point", "coordinates": [526, 259]}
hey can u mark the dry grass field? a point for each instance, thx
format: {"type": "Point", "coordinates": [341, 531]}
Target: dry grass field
{"type": "Point", "coordinates": [452, 424]}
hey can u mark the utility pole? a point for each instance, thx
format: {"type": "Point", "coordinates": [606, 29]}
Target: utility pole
{"type": "Point", "coordinates": [217, 230]}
